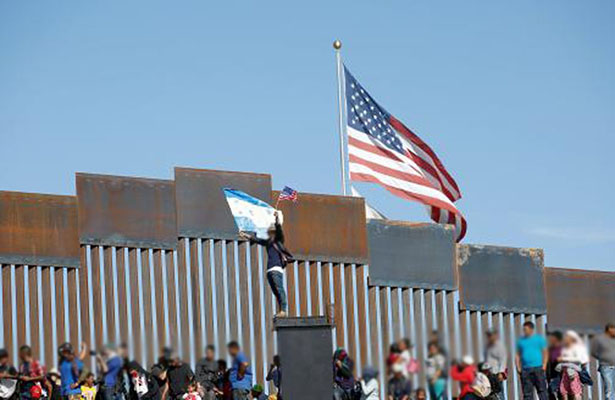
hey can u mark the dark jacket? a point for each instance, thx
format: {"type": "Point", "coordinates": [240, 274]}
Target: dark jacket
{"type": "Point", "coordinates": [277, 253]}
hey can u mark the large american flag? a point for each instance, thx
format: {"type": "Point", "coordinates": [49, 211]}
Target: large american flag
{"type": "Point", "coordinates": [383, 150]}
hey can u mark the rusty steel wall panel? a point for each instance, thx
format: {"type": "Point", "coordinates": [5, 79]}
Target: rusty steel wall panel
{"type": "Point", "coordinates": [580, 300]}
{"type": "Point", "coordinates": [38, 229]}
{"type": "Point", "coordinates": [411, 255]}
{"type": "Point", "coordinates": [326, 228]}
{"type": "Point", "coordinates": [126, 211]}
{"type": "Point", "coordinates": [202, 210]}
{"type": "Point", "coordinates": [501, 279]}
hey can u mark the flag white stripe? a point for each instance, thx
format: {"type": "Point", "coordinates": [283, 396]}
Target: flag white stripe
{"type": "Point", "coordinates": [410, 186]}
{"type": "Point", "coordinates": [403, 185]}
{"type": "Point", "coordinates": [408, 162]}
{"type": "Point", "coordinates": [427, 158]}
{"type": "Point", "coordinates": [386, 161]}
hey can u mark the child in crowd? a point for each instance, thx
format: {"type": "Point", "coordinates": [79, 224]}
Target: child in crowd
{"type": "Point", "coordinates": [192, 392]}
{"type": "Point", "coordinates": [88, 388]}
{"type": "Point", "coordinates": [411, 365]}
{"type": "Point", "coordinates": [223, 387]}
{"type": "Point", "coordinates": [420, 394]}
{"type": "Point", "coordinates": [435, 366]}
{"type": "Point", "coordinates": [258, 393]}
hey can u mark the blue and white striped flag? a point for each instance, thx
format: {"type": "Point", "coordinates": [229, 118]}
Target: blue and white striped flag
{"type": "Point", "coordinates": [251, 214]}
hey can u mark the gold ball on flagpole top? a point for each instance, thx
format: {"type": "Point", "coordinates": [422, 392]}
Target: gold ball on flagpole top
{"type": "Point", "coordinates": [337, 44]}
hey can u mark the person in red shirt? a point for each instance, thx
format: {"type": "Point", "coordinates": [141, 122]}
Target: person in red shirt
{"type": "Point", "coordinates": [464, 373]}
{"type": "Point", "coordinates": [32, 374]}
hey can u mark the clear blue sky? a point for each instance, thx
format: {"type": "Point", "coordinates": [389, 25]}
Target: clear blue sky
{"type": "Point", "coordinates": [517, 98]}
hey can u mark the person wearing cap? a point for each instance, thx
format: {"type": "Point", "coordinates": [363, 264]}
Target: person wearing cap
{"type": "Point", "coordinates": [399, 387]}
{"type": "Point", "coordinates": [603, 350]}
{"type": "Point", "coordinates": [110, 364]}
{"type": "Point", "coordinates": [531, 362]}
{"type": "Point", "coordinates": [464, 373]}
{"type": "Point", "coordinates": [32, 374]}
{"type": "Point", "coordinates": [494, 382]}
{"type": "Point", "coordinates": [496, 354]}
{"type": "Point", "coordinates": [53, 384]}
{"type": "Point", "coordinates": [71, 368]}
{"type": "Point", "coordinates": [277, 258]}
{"type": "Point", "coordinates": [8, 376]}
{"type": "Point", "coordinates": [258, 393]}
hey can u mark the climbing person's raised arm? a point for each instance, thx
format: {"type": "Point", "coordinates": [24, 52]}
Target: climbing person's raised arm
{"type": "Point", "coordinates": [252, 238]}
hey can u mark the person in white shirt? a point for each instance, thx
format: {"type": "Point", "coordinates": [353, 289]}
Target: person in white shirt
{"type": "Point", "coordinates": [370, 388]}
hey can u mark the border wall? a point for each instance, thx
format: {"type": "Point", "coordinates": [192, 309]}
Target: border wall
{"type": "Point", "coordinates": [158, 262]}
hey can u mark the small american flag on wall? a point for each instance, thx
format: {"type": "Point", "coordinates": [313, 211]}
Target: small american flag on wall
{"type": "Point", "coordinates": [288, 194]}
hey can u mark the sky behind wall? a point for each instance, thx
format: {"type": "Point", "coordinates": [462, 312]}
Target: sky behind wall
{"type": "Point", "coordinates": [517, 98]}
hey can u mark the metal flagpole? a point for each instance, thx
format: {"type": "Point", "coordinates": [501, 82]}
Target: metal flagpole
{"type": "Point", "coordinates": [337, 45]}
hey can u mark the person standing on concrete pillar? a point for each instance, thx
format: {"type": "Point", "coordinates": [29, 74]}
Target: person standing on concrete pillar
{"type": "Point", "coordinates": [603, 350]}
{"type": "Point", "coordinates": [277, 258]}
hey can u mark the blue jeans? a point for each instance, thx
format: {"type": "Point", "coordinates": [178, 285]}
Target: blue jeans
{"type": "Point", "coordinates": [534, 378]}
{"type": "Point", "coordinates": [276, 282]}
{"type": "Point", "coordinates": [607, 373]}
{"type": "Point", "coordinates": [110, 393]}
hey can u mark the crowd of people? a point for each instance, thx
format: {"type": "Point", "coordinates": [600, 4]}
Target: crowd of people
{"type": "Point", "coordinates": [116, 377]}
{"type": "Point", "coordinates": [552, 368]}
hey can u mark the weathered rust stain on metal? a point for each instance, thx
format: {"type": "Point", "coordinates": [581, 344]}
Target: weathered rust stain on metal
{"type": "Point", "coordinates": [202, 210]}
{"type": "Point", "coordinates": [126, 211]}
{"type": "Point", "coordinates": [411, 255]}
{"type": "Point", "coordinates": [501, 279]}
{"type": "Point", "coordinates": [579, 299]}
{"type": "Point", "coordinates": [326, 228]}
{"type": "Point", "coordinates": [38, 229]}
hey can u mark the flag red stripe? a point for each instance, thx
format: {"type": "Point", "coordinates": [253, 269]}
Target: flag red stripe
{"type": "Point", "coordinates": [389, 154]}
{"type": "Point", "coordinates": [401, 128]}
{"type": "Point", "coordinates": [384, 169]}
{"type": "Point", "coordinates": [358, 176]}
{"type": "Point", "coordinates": [412, 197]}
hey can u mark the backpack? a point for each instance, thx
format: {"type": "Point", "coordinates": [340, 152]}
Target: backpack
{"type": "Point", "coordinates": [480, 385]}
{"type": "Point", "coordinates": [140, 384]}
